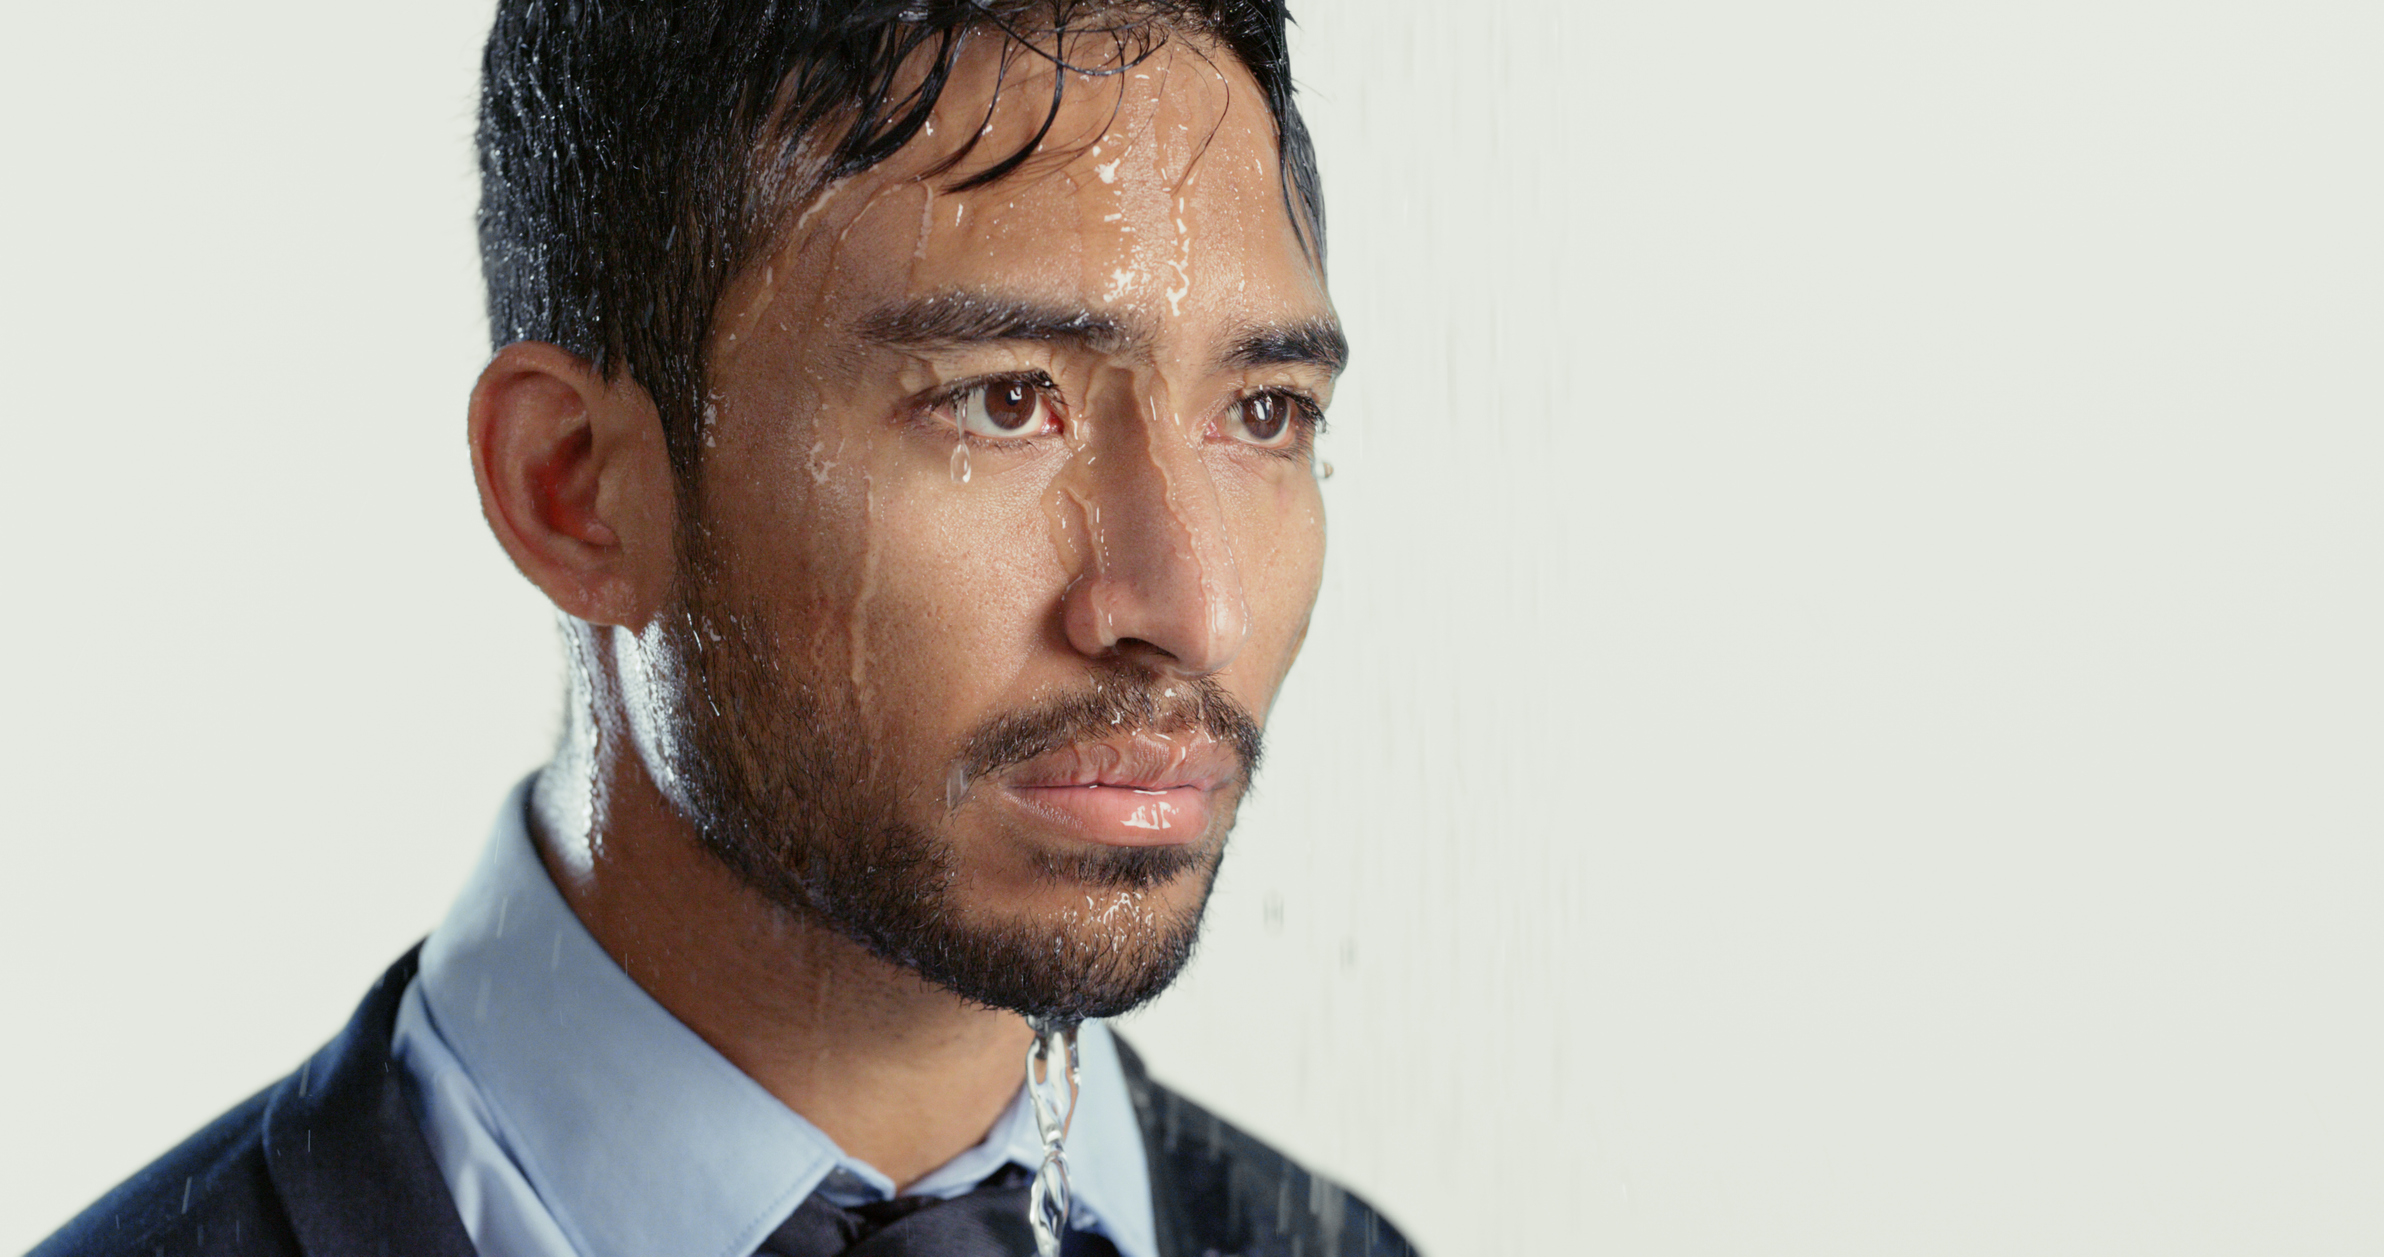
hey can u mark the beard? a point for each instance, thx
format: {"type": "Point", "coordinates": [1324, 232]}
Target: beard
{"type": "Point", "coordinates": [785, 786]}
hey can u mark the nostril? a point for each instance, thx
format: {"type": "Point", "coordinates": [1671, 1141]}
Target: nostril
{"type": "Point", "coordinates": [1154, 658]}
{"type": "Point", "coordinates": [1137, 650]}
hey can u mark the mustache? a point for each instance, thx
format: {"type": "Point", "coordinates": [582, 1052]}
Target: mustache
{"type": "Point", "coordinates": [1123, 698]}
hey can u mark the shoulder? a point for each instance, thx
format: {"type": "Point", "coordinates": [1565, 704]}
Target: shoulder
{"type": "Point", "coordinates": [211, 1195]}
{"type": "Point", "coordinates": [1218, 1191]}
{"type": "Point", "coordinates": [327, 1161]}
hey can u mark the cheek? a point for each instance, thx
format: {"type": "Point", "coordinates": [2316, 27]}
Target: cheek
{"type": "Point", "coordinates": [969, 575]}
{"type": "Point", "coordinates": [800, 541]}
{"type": "Point", "coordinates": [958, 596]}
{"type": "Point", "coordinates": [1279, 539]}
{"type": "Point", "coordinates": [796, 505]}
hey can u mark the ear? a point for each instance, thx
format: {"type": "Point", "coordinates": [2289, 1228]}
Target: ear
{"type": "Point", "coordinates": [575, 482]}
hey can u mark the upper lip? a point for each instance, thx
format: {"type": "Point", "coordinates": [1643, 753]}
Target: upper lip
{"type": "Point", "coordinates": [1139, 760]}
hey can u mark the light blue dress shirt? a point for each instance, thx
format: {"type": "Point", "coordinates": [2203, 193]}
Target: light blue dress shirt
{"type": "Point", "coordinates": [572, 1116]}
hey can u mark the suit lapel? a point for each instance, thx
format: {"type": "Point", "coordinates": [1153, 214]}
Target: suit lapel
{"type": "Point", "coordinates": [344, 1149]}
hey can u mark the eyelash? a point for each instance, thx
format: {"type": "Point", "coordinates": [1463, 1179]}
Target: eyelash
{"type": "Point", "coordinates": [1307, 417]}
{"type": "Point", "coordinates": [1307, 412]}
{"type": "Point", "coordinates": [951, 398]}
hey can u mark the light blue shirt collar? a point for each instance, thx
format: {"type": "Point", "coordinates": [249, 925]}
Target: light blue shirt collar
{"type": "Point", "coordinates": [638, 1137]}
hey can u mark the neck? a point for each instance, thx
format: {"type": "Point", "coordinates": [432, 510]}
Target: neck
{"type": "Point", "coordinates": [902, 1074]}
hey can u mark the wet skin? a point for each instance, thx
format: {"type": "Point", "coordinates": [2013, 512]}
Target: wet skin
{"type": "Point", "coordinates": [964, 451]}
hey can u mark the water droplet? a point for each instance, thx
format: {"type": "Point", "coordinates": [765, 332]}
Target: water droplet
{"type": "Point", "coordinates": [960, 463]}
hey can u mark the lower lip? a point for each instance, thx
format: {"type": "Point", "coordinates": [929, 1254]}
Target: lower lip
{"type": "Point", "coordinates": [1121, 816]}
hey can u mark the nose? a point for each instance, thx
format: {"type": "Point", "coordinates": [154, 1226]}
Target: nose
{"type": "Point", "coordinates": [1161, 587]}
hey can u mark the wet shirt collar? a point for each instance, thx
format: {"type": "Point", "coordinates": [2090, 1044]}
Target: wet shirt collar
{"type": "Point", "coordinates": [638, 1137]}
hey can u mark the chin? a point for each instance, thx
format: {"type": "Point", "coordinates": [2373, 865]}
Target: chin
{"type": "Point", "coordinates": [1093, 936]}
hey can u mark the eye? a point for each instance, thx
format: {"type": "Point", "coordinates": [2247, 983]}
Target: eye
{"type": "Point", "coordinates": [1272, 420]}
{"type": "Point", "coordinates": [1005, 409]}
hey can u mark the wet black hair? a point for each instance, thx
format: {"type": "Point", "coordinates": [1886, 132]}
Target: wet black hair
{"type": "Point", "coordinates": [636, 155]}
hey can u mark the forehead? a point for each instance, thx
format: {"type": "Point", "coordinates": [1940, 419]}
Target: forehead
{"type": "Point", "coordinates": [1153, 196]}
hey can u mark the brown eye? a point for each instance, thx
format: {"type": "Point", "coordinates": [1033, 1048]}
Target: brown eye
{"type": "Point", "coordinates": [1267, 420]}
{"type": "Point", "coordinates": [1005, 408]}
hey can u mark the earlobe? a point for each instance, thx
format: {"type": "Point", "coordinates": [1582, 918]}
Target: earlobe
{"type": "Point", "coordinates": [574, 482]}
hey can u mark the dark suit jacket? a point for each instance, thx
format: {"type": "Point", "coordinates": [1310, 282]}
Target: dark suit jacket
{"type": "Point", "coordinates": [329, 1162]}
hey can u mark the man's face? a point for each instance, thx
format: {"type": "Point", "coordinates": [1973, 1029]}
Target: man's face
{"type": "Point", "coordinates": [1007, 533]}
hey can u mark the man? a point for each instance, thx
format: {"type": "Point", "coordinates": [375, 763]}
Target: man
{"type": "Point", "coordinates": [908, 409]}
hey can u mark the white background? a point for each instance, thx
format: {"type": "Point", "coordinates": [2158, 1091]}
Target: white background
{"type": "Point", "coordinates": [1845, 717]}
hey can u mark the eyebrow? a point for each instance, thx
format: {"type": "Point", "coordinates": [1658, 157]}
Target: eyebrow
{"type": "Point", "coordinates": [955, 320]}
{"type": "Point", "coordinates": [1304, 342]}
{"type": "Point", "coordinates": [958, 320]}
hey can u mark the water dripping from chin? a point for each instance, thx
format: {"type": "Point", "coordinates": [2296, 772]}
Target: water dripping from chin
{"type": "Point", "coordinates": [1051, 1059]}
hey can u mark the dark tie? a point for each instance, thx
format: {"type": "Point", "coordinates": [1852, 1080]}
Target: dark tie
{"type": "Point", "coordinates": [989, 1221]}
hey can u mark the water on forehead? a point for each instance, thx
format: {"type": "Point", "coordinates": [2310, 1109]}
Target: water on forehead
{"type": "Point", "coordinates": [1155, 196]}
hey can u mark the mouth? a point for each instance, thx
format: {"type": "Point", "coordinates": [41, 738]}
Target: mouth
{"type": "Point", "coordinates": [1142, 789]}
